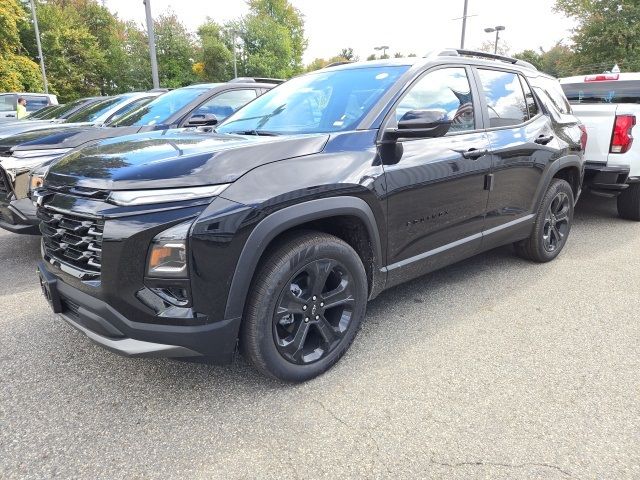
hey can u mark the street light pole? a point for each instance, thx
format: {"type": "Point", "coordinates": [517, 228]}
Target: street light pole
{"type": "Point", "coordinates": [37, 30]}
{"type": "Point", "coordinates": [384, 49]}
{"type": "Point", "coordinates": [496, 29]}
{"type": "Point", "coordinates": [152, 44]}
{"type": "Point", "coordinates": [464, 23]}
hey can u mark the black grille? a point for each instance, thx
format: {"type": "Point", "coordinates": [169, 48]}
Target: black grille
{"type": "Point", "coordinates": [73, 240]}
{"type": "Point", "coordinates": [4, 183]}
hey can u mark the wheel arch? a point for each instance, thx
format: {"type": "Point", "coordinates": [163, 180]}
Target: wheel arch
{"type": "Point", "coordinates": [290, 218]}
{"type": "Point", "coordinates": [564, 168]}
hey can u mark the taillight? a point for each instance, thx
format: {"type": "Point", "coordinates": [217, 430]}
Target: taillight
{"type": "Point", "coordinates": [604, 77]}
{"type": "Point", "coordinates": [583, 137]}
{"type": "Point", "coordinates": [622, 139]}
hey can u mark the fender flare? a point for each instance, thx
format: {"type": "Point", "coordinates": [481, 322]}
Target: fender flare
{"type": "Point", "coordinates": [555, 167]}
{"type": "Point", "coordinates": [283, 220]}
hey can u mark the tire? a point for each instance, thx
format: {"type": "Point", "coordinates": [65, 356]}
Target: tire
{"type": "Point", "coordinates": [552, 225]}
{"type": "Point", "coordinates": [288, 332]}
{"type": "Point", "coordinates": [629, 202]}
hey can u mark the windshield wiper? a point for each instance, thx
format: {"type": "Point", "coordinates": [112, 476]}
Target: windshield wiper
{"type": "Point", "coordinates": [258, 133]}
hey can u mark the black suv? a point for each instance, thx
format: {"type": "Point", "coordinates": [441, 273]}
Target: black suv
{"type": "Point", "coordinates": [272, 232]}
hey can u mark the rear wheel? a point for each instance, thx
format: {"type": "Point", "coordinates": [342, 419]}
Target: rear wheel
{"type": "Point", "coordinates": [629, 202]}
{"type": "Point", "coordinates": [552, 225]}
{"type": "Point", "coordinates": [305, 307]}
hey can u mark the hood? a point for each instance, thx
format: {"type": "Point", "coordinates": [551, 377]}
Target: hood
{"type": "Point", "coordinates": [175, 158]}
{"type": "Point", "coordinates": [30, 126]}
{"type": "Point", "coordinates": [68, 135]}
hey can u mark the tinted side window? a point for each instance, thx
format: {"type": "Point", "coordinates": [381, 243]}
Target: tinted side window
{"type": "Point", "coordinates": [447, 90]}
{"type": "Point", "coordinates": [36, 103]}
{"type": "Point", "coordinates": [555, 93]}
{"type": "Point", "coordinates": [532, 106]}
{"type": "Point", "coordinates": [8, 102]}
{"type": "Point", "coordinates": [504, 96]}
{"type": "Point", "coordinates": [226, 103]}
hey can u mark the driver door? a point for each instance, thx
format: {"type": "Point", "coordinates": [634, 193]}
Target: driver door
{"type": "Point", "coordinates": [437, 194]}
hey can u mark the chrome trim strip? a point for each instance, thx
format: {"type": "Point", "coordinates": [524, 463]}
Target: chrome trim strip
{"type": "Point", "coordinates": [457, 243]}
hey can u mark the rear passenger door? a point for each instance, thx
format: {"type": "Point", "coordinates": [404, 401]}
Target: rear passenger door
{"type": "Point", "coordinates": [522, 144]}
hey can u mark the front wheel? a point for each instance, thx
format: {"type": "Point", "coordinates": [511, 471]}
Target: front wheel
{"type": "Point", "coordinates": [305, 307]}
{"type": "Point", "coordinates": [552, 225]}
{"type": "Point", "coordinates": [629, 202]}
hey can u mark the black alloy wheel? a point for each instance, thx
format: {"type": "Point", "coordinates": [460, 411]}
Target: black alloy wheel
{"type": "Point", "coordinates": [556, 222]}
{"type": "Point", "coordinates": [313, 312]}
{"type": "Point", "coordinates": [552, 224]}
{"type": "Point", "coordinates": [305, 307]}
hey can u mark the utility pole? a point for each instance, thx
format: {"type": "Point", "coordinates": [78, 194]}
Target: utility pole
{"type": "Point", "coordinates": [152, 44]}
{"type": "Point", "coordinates": [235, 61]}
{"type": "Point", "coordinates": [464, 23]}
{"type": "Point", "coordinates": [35, 26]}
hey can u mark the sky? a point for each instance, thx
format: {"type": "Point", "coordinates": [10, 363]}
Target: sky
{"type": "Point", "coordinates": [407, 26]}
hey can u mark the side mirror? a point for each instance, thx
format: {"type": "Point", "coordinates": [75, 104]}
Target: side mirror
{"type": "Point", "coordinates": [200, 120]}
{"type": "Point", "coordinates": [420, 124]}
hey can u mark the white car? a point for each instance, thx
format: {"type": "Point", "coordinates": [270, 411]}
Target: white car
{"type": "Point", "coordinates": [608, 105]}
{"type": "Point", "coordinates": [35, 101]}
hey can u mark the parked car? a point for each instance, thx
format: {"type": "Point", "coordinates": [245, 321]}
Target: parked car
{"type": "Point", "coordinates": [197, 105]}
{"type": "Point", "coordinates": [609, 104]}
{"type": "Point", "coordinates": [277, 228]}
{"type": "Point", "coordinates": [60, 115]}
{"type": "Point", "coordinates": [35, 101]}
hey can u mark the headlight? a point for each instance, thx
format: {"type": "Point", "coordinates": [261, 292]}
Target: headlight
{"type": "Point", "coordinates": [168, 253]}
{"type": "Point", "coordinates": [35, 181]}
{"type": "Point", "coordinates": [144, 197]}
{"type": "Point", "coordinates": [36, 178]}
{"type": "Point", "coordinates": [53, 152]}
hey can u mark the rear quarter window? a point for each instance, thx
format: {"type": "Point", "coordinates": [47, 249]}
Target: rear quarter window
{"type": "Point", "coordinates": [603, 92]}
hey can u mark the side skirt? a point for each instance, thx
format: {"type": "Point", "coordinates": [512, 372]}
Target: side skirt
{"type": "Point", "coordinates": [453, 252]}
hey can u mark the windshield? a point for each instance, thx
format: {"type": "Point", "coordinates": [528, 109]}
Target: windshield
{"type": "Point", "coordinates": [93, 112]}
{"type": "Point", "coordinates": [161, 109]}
{"type": "Point", "coordinates": [45, 113]}
{"type": "Point", "coordinates": [320, 102]}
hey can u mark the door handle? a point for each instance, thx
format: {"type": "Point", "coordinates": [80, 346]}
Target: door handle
{"type": "Point", "coordinates": [474, 153]}
{"type": "Point", "coordinates": [543, 140]}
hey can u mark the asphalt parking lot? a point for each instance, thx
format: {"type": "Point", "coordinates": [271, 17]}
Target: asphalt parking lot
{"type": "Point", "coordinates": [492, 368]}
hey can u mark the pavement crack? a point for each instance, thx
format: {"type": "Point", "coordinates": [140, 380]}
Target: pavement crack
{"type": "Point", "coordinates": [330, 412]}
{"type": "Point", "coordinates": [499, 464]}
{"type": "Point", "coordinates": [372, 438]}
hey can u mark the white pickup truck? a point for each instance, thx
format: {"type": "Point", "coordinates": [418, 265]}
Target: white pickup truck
{"type": "Point", "coordinates": [608, 105]}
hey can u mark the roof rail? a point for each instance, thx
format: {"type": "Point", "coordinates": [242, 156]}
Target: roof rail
{"type": "Point", "coordinates": [256, 80]}
{"type": "Point", "coordinates": [456, 52]}
{"type": "Point", "coordinates": [335, 64]}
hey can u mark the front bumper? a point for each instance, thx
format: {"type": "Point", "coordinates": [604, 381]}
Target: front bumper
{"type": "Point", "coordinates": [19, 216]}
{"type": "Point", "coordinates": [108, 328]}
{"type": "Point", "coordinates": [605, 181]}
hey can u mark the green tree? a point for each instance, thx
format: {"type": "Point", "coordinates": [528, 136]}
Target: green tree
{"type": "Point", "coordinates": [348, 55]}
{"type": "Point", "coordinates": [17, 71]}
{"type": "Point", "coordinates": [607, 32]}
{"type": "Point", "coordinates": [175, 50]}
{"type": "Point", "coordinates": [73, 56]}
{"type": "Point", "coordinates": [216, 55]}
{"type": "Point", "coordinates": [558, 61]}
{"type": "Point", "coordinates": [272, 37]}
